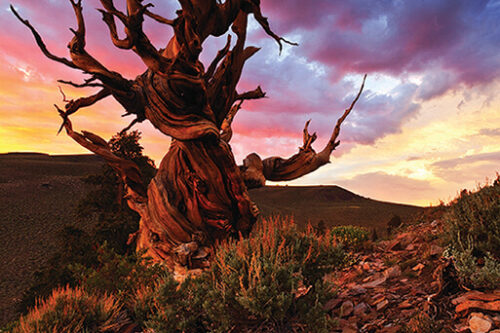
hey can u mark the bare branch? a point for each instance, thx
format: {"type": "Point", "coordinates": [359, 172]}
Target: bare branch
{"type": "Point", "coordinates": [304, 162]}
{"type": "Point", "coordinates": [252, 94]}
{"type": "Point", "coordinates": [136, 38]}
{"type": "Point", "coordinates": [226, 130]}
{"type": "Point", "coordinates": [332, 144]}
{"type": "Point", "coordinates": [308, 139]}
{"type": "Point", "coordinates": [108, 18]}
{"type": "Point", "coordinates": [40, 42]}
{"type": "Point", "coordinates": [87, 83]}
{"type": "Point", "coordinates": [138, 119]}
{"type": "Point", "coordinates": [265, 25]}
{"type": "Point", "coordinates": [63, 95]}
{"type": "Point", "coordinates": [74, 105]}
{"type": "Point", "coordinates": [220, 55]}
{"type": "Point", "coordinates": [158, 18]}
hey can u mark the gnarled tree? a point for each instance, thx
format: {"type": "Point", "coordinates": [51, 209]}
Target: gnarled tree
{"type": "Point", "coordinates": [199, 195]}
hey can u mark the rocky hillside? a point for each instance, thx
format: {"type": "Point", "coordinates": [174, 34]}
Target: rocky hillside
{"type": "Point", "coordinates": [405, 284]}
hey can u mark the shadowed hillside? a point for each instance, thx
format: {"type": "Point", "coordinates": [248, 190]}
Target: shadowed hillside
{"type": "Point", "coordinates": [40, 192]}
{"type": "Point", "coordinates": [331, 204]}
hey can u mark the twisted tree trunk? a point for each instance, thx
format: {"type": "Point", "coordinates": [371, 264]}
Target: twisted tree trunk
{"type": "Point", "coordinates": [199, 195]}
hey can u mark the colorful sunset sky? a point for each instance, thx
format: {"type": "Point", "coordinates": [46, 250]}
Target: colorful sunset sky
{"type": "Point", "coordinates": [426, 126]}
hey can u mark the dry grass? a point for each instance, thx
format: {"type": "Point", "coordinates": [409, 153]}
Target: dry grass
{"type": "Point", "coordinates": [70, 310]}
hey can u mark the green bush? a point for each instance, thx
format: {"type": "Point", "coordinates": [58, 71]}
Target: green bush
{"type": "Point", "coordinates": [272, 281]}
{"type": "Point", "coordinates": [350, 236]}
{"type": "Point", "coordinates": [473, 220]}
{"type": "Point", "coordinates": [476, 272]}
{"type": "Point", "coordinates": [74, 310]}
{"type": "Point", "coordinates": [120, 275]}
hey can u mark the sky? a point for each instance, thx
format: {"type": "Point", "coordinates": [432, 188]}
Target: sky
{"type": "Point", "coordinates": [426, 125]}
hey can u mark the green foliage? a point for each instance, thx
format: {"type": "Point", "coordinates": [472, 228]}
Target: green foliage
{"type": "Point", "coordinates": [473, 222]}
{"type": "Point", "coordinates": [74, 310]}
{"type": "Point", "coordinates": [477, 272]}
{"type": "Point", "coordinates": [271, 281]}
{"type": "Point", "coordinates": [116, 274]}
{"type": "Point", "coordinates": [351, 236]}
{"type": "Point", "coordinates": [476, 217]}
{"type": "Point", "coordinates": [115, 219]}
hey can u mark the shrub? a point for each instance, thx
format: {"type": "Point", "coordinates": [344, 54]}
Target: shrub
{"type": "Point", "coordinates": [475, 217]}
{"type": "Point", "coordinates": [473, 222]}
{"type": "Point", "coordinates": [484, 275]}
{"type": "Point", "coordinates": [120, 275]}
{"type": "Point", "coordinates": [272, 281]}
{"type": "Point", "coordinates": [74, 310]}
{"type": "Point", "coordinates": [350, 235]}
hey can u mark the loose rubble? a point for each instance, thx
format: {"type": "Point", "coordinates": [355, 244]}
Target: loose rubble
{"type": "Point", "coordinates": [403, 284]}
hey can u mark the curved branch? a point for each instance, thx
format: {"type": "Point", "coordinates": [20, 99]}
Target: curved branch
{"type": "Point", "coordinates": [87, 83]}
{"type": "Point", "coordinates": [74, 105]}
{"type": "Point", "coordinates": [108, 18]}
{"type": "Point", "coordinates": [220, 55]}
{"type": "Point", "coordinates": [226, 130]}
{"type": "Point", "coordinates": [83, 60]}
{"type": "Point", "coordinates": [41, 44]}
{"type": "Point", "coordinates": [257, 93]}
{"type": "Point", "coordinates": [305, 161]}
{"type": "Point", "coordinates": [332, 144]}
{"type": "Point", "coordinates": [158, 18]}
{"type": "Point", "coordinates": [265, 25]}
{"type": "Point", "coordinates": [136, 38]}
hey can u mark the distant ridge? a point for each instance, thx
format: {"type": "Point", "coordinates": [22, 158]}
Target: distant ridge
{"type": "Point", "coordinates": [69, 157]}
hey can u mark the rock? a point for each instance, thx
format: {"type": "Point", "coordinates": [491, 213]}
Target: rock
{"type": "Point", "coordinates": [392, 272]}
{"type": "Point", "coordinates": [496, 320]}
{"type": "Point", "coordinates": [391, 329]}
{"type": "Point", "coordinates": [410, 247]}
{"type": "Point", "coordinates": [360, 309]}
{"type": "Point", "coordinates": [479, 323]}
{"type": "Point", "coordinates": [357, 290]}
{"type": "Point", "coordinates": [382, 305]}
{"type": "Point", "coordinates": [462, 329]}
{"type": "Point", "coordinates": [349, 330]}
{"type": "Point", "coordinates": [436, 250]}
{"type": "Point", "coordinates": [418, 267]}
{"type": "Point", "coordinates": [471, 304]}
{"type": "Point", "coordinates": [405, 304]}
{"type": "Point", "coordinates": [374, 283]}
{"type": "Point", "coordinates": [365, 265]}
{"type": "Point", "coordinates": [332, 304]}
{"type": "Point", "coordinates": [346, 308]}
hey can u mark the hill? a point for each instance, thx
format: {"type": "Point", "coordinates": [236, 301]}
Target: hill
{"type": "Point", "coordinates": [40, 192]}
{"type": "Point", "coordinates": [331, 204]}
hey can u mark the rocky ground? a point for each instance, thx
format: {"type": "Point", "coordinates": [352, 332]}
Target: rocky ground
{"type": "Point", "coordinates": [405, 285]}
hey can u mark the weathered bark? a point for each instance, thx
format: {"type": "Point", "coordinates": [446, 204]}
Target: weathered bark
{"type": "Point", "coordinates": [199, 195]}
